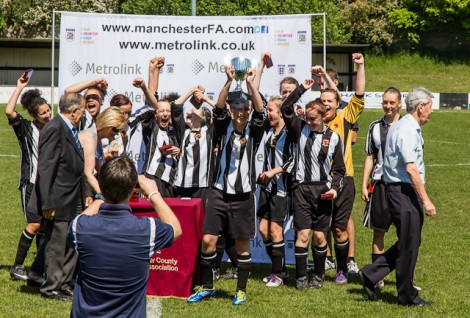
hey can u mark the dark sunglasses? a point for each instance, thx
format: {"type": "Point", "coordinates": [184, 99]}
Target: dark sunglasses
{"type": "Point", "coordinates": [93, 96]}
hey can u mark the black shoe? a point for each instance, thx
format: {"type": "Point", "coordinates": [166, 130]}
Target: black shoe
{"type": "Point", "coordinates": [369, 288]}
{"type": "Point", "coordinates": [34, 280]}
{"type": "Point", "coordinates": [67, 290]}
{"type": "Point", "coordinates": [57, 295]}
{"type": "Point", "coordinates": [423, 303]}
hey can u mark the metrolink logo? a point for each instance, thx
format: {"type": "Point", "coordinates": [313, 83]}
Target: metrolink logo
{"type": "Point", "coordinates": [212, 67]}
{"type": "Point", "coordinates": [106, 69]}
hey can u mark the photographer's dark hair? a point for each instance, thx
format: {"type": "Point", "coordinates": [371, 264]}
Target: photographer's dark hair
{"type": "Point", "coordinates": [31, 100]}
{"type": "Point", "coordinates": [117, 179]}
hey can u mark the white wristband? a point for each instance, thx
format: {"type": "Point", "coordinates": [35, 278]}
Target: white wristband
{"type": "Point", "coordinates": [152, 193]}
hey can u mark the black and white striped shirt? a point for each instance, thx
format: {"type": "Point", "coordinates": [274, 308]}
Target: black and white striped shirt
{"type": "Point", "coordinates": [375, 145]}
{"type": "Point", "coordinates": [139, 131]}
{"type": "Point", "coordinates": [319, 154]}
{"type": "Point", "coordinates": [195, 160]}
{"type": "Point", "coordinates": [235, 171]}
{"type": "Point", "coordinates": [27, 133]}
{"type": "Point", "coordinates": [87, 122]}
{"type": "Point", "coordinates": [160, 164]}
{"type": "Point", "coordinates": [279, 151]}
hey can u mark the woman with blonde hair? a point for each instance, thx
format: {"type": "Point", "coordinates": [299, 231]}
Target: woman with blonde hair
{"type": "Point", "coordinates": [96, 141]}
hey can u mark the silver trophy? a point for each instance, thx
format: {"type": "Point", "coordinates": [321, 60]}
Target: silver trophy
{"type": "Point", "coordinates": [241, 66]}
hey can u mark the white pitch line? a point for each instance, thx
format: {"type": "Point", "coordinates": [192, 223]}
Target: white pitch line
{"type": "Point", "coordinates": [436, 165]}
{"type": "Point", "coordinates": [7, 155]}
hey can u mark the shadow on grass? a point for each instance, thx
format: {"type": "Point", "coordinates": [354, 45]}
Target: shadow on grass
{"type": "Point", "coordinates": [385, 297]}
{"type": "Point", "coordinates": [30, 290]}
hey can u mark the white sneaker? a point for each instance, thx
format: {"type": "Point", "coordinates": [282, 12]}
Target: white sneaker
{"type": "Point", "coordinates": [275, 281]}
{"type": "Point", "coordinates": [329, 264]}
{"type": "Point", "coordinates": [353, 269]}
{"type": "Point", "coordinates": [284, 275]}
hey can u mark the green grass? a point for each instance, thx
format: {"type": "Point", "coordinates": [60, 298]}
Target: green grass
{"type": "Point", "coordinates": [407, 71]}
{"type": "Point", "coordinates": [442, 269]}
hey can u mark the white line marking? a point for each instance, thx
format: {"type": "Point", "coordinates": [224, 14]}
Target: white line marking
{"type": "Point", "coordinates": [7, 155]}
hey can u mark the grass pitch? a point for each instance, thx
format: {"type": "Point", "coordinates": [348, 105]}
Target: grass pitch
{"type": "Point", "coordinates": [442, 269]}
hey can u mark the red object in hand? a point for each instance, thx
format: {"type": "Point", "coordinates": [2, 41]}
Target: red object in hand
{"type": "Point", "coordinates": [371, 188]}
{"type": "Point", "coordinates": [165, 147]}
{"type": "Point", "coordinates": [268, 62]}
{"type": "Point", "coordinates": [327, 196]}
{"type": "Point", "coordinates": [26, 75]}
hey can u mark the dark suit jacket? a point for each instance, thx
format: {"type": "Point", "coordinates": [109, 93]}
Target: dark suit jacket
{"type": "Point", "coordinates": [60, 170]}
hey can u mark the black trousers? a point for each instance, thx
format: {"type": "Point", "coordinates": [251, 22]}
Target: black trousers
{"type": "Point", "coordinates": [407, 216]}
{"type": "Point", "coordinates": [60, 259]}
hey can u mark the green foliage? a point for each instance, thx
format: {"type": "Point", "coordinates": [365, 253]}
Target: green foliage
{"type": "Point", "coordinates": [369, 22]}
{"type": "Point", "coordinates": [416, 17]}
{"type": "Point", "coordinates": [33, 19]}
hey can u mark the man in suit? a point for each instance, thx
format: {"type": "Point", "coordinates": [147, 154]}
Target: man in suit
{"type": "Point", "coordinates": [60, 171]}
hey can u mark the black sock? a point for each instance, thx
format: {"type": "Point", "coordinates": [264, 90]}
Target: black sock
{"type": "Point", "coordinates": [319, 257]}
{"type": "Point", "coordinates": [244, 267]}
{"type": "Point", "coordinates": [330, 258]}
{"type": "Point", "coordinates": [231, 251]}
{"type": "Point", "coordinates": [269, 248]}
{"type": "Point", "coordinates": [375, 256]}
{"type": "Point", "coordinates": [278, 255]}
{"type": "Point", "coordinates": [350, 258]}
{"type": "Point", "coordinates": [207, 264]}
{"type": "Point", "coordinates": [24, 244]}
{"type": "Point", "coordinates": [301, 255]}
{"type": "Point", "coordinates": [341, 250]}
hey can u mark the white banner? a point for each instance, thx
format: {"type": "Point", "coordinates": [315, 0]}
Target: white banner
{"type": "Point", "coordinates": [119, 47]}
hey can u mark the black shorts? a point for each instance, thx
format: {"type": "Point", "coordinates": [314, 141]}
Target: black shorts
{"type": "Point", "coordinates": [343, 204]}
{"type": "Point", "coordinates": [272, 207]}
{"type": "Point", "coordinates": [192, 193]}
{"type": "Point", "coordinates": [376, 214]}
{"type": "Point", "coordinates": [311, 212]}
{"type": "Point", "coordinates": [26, 191]}
{"type": "Point", "coordinates": [235, 210]}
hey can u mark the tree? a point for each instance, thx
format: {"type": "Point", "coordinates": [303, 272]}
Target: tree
{"type": "Point", "coordinates": [33, 19]}
{"type": "Point", "coordinates": [416, 17]}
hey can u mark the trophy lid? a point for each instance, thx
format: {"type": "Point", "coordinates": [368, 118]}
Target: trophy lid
{"type": "Point", "coordinates": [238, 99]}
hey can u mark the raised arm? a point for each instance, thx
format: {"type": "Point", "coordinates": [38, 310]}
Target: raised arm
{"type": "Point", "coordinates": [155, 65]}
{"type": "Point", "coordinates": [183, 98]}
{"type": "Point", "coordinates": [10, 109]}
{"type": "Point", "coordinates": [230, 72]}
{"type": "Point", "coordinates": [100, 82]}
{"type": "Point", "coordinates": [150, 98]}
{"type": "Point", "coordinates": [358, 59]}
{"type": "Point", "coordinates": [259, 71]}
{"type": "Point", "coordinates": [164, 212]}
{"type": "Point", "coordinates": [255, 96]}
{"type": "Point", "coordinates": [318, 70]}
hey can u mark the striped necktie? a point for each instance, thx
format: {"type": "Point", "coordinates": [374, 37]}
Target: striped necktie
{"type": "Point", "coordinates": [75, 137]}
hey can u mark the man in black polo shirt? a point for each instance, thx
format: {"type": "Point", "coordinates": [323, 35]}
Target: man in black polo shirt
{"type": "Point", "coordinates": [114, 247]}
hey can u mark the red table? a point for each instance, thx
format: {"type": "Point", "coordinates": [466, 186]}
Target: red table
{"type": "Point", "coordinates": [174, 271]}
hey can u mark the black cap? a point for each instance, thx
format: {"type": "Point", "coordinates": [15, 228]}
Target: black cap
{"type": "Point", "coordinates": [238, 100]}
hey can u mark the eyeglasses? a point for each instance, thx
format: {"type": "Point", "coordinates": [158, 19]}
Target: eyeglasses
{"type": "Point", "coordinates": [93, 96]}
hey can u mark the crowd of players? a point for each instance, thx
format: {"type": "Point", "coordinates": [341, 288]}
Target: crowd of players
{"type": "Point", "coordinates": [207, 151]}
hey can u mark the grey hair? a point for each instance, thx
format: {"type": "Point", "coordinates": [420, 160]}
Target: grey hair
{"type": "Point", "coordinates": [417, 96]}
{"type": "Point", "coordinates": [70, 101]}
